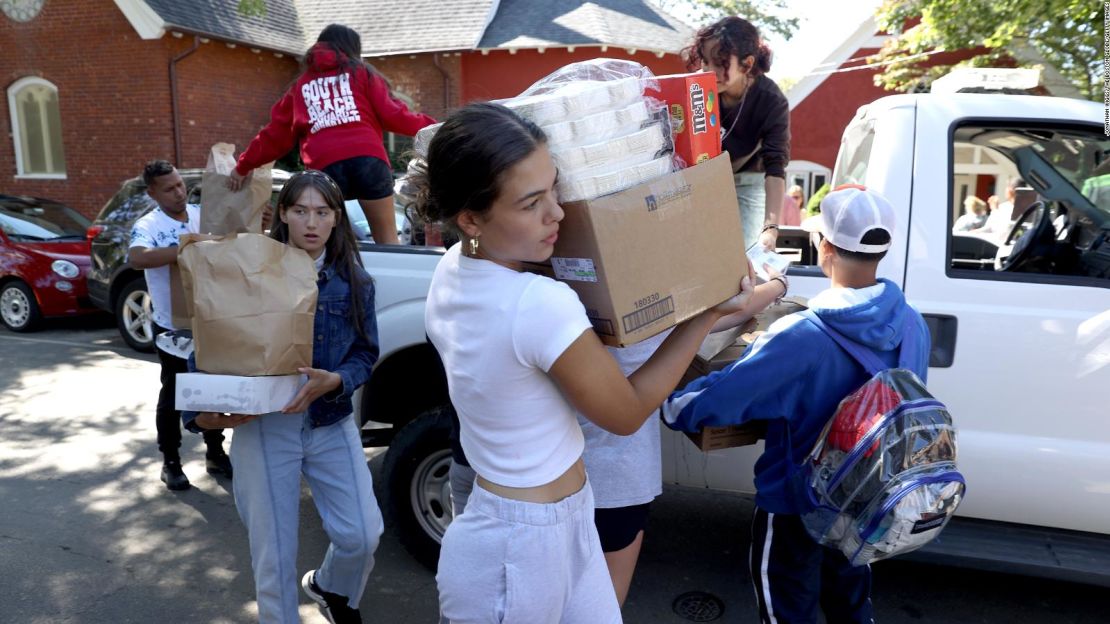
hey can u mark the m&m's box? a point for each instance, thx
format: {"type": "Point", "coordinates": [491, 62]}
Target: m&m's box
{"type": "Point", "coordinates": [695, 112]}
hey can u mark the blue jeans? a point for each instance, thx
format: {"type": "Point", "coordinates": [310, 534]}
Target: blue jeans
{"type": "Point", "coordinates": [270, 454]}
{"type": "Point", "coordinates": [752, 197]}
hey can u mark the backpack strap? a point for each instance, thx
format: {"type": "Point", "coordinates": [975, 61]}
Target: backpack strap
{"type": "Point", "coordinates": [866, 358]}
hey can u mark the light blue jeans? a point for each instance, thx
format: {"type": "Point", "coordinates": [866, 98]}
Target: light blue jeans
{"type": "Point", "coordinates": [752, 196]}
{"type": "Point", "coordinates": [269, 455]}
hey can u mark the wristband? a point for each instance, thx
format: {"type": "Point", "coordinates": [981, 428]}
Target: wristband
{"type": "Point", "coordinates": [769, 226]}
{"type": "Point", "coordinates": [785, 287]}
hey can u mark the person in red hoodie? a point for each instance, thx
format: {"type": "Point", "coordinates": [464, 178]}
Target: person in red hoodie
{"type": "Point", "coordinates": [339, 108]}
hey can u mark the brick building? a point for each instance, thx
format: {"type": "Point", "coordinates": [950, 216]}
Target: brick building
{"type": "Point", "coordinates": [95, 88]}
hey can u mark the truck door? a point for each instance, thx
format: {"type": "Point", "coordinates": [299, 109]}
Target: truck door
{"type": "Point", "coordinates": [1021, 351]}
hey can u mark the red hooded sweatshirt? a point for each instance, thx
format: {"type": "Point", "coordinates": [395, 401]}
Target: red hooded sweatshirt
{"type": "Point", "coordinates": [336, 111]}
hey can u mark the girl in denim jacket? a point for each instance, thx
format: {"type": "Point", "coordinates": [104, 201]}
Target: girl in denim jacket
{"type": "Point", "coordinates": [315, 434]}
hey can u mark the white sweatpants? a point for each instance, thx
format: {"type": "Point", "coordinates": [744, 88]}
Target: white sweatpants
{"type": "Point", "coordinates": [511, 562]}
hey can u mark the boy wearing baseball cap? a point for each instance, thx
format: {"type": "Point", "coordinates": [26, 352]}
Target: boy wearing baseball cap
{"type": "Point", "coordinates": [794, 377]}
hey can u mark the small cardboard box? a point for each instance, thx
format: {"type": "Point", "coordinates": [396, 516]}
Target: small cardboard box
{"type": "Point", "coordinates": [719, 351]}
{"type": "Point", "coordinates": [649, 257]}
{"type": "Point", "coordinates": [232, 394]}
{"type": "Point", "coordinates": [695, 114]}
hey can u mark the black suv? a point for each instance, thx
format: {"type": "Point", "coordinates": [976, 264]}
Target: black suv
{"type": "Point", "coordinates": [116, 286]}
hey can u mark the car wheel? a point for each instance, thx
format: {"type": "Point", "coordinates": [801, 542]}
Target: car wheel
{"type": "Point", "coordinates": [18, 308]}
{"type": "Point", "coordinates": [133, 316]}
{"type": "Point", "coordinates": [418, 496]}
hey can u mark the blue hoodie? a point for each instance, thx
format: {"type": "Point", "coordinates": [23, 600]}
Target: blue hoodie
{"type": "Point", "coordinates": [794, 377]}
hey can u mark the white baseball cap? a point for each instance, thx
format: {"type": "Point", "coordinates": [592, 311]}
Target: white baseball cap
{"type": "Point", "coordinates": [850, 211]}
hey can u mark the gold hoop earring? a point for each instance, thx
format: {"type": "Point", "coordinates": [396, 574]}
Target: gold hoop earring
{"type": "Point", "coordinates": [474, 246]}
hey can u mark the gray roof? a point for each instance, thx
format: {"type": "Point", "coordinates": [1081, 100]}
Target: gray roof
{"type": "Point", "coordinates": [399, 26]}
{"type": "Point", "coordinates": [279, 29]}
{"type": "Point", "coordinates": [411, 26]}
{"type": "Point", "coordinates": [621, 23]}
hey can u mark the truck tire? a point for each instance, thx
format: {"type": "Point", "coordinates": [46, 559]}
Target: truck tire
{"type": "Point", "coordinates": [418, 491]}
{"type": "Point", "coordinates": [133, 316]}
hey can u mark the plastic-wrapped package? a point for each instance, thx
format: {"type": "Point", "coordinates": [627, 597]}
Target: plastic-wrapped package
{"type": "Point", "coordinates": [576, 99]}
{"type": "Point", "coordinates": [882, 477]}
{"type": "Point", "coordinates": [423, 138]}
{"type": "Point", "coordinates": [590, 187]}
{"type": "Point", "coordinates": [599, 126]}
{"type": "Point", "coordinates": [600, 158]}
{"type": "Point", "coordinates": [599, 70]}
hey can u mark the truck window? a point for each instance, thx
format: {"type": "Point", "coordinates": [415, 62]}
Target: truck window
{"type": "Point", "coordinates": [855, 151]}
{"type": "Point", "coordinates": [1029, 201]}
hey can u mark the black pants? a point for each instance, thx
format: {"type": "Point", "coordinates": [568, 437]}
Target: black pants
{"type": "Point", "coordinates": [794, 575]}
{"type": "Point", "coordinates": [168, 421]}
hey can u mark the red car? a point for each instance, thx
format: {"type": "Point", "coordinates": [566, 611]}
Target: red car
{"type": "Point", "coordinates": [44, 258]}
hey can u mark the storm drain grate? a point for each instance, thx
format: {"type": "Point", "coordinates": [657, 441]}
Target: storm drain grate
{"type": "Point", "coordinates": [698, 606]}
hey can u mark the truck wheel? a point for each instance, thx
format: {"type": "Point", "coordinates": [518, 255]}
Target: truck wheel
{"type": "Point", "coordinates": [133, 316]}
{"type": "Point", "coordinates": [418, 495]}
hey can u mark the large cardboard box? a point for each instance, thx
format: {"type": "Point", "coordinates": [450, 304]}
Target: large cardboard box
{"type": "Point", "coordinates": [722, 349]}
{"type": "Point", "coordinates": [232, 394]}
{"type": "Point", "coordinates": [695, 111]}
{"type": "Point", "coordinates": [654, 255]}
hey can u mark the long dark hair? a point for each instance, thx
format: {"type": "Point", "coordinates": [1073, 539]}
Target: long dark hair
{"type": "Point", "coordinates": [733, 35]}
{"type": "Point", "coordinates": [341, 247]}
{"type": "Point", "coordinates": [347, 42]}
{"type": "Point", "coordinates": [467, 161]}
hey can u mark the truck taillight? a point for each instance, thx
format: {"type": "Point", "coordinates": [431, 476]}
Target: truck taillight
{"type": "Point", "coordinates": [93, 231]}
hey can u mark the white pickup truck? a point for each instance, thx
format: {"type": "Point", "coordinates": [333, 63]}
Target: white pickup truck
{"type": "Point", "coordinates": [1020, 322]}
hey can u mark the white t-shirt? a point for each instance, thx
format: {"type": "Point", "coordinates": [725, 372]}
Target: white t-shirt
{"type": "Point", "coordinates": [625, 470]}
{"type": "Point", "coordinates": [499, 332]}
{"type": "Point", "coordinates": [156, 230]}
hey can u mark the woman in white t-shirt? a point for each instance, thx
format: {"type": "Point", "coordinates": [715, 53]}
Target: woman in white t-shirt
{"type": "Point", "coordinates": [521, 362]}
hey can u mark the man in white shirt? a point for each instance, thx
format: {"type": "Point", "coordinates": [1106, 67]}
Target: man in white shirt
{"type": "Point", "coordinates": [153, 248]}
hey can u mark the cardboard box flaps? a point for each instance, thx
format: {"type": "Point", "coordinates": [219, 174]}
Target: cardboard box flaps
{"type": "Point", "coordinates": [719, 351]}
{"type": "Point", "coordinates": [657, 254]}
{"type": "Point", "coordinates": [232, 394]}
{"type": "Point", "coordinates": [730, 436]}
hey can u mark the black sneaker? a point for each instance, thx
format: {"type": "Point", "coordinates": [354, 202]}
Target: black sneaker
{"type": "Point", "coordinates": [173, 476]}
{"type": "Point", "coordinates": [218, 464]}
{"type": "Point", "coordinates": [333, 606]}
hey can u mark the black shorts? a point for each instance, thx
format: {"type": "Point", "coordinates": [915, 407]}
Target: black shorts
{"type": "Point", "coordinates": [362, 177]}
{"type": "Point", "coordinates": [618, 527]}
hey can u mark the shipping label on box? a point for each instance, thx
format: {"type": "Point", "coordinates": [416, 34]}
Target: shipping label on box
{"type": "Point", "coordinates": [692, 102]}
{"type": "Point", "coordinates": [232, 394]}
{"type": "Point", "coordinates": [649, 257]}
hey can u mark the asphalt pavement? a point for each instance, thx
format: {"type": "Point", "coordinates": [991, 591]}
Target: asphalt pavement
{"type": "Point", "coordinates": [89, 534]}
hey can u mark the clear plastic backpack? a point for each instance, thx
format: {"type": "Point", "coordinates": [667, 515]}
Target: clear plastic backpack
{"type": "Point", "coordinates": [882, 477]}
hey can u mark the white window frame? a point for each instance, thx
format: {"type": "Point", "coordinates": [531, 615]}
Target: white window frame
{"type": "Point", "coordinates": [17, 136]}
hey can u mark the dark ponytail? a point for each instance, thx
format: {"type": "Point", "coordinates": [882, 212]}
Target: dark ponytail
{"type": "Point", "coordinates": [467, 161]}
{"type": "Point", "coordinates": [732, 35]}
{"type": "Point", "coordinates": [347, 42]}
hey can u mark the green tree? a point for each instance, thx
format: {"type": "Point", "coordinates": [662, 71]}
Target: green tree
{"type": "Point", "coordinates": [769, 15]}
{"type": "Point", "coordinates": [1065, 33]}
{"type": "Point", "coordinates": [252, 8]}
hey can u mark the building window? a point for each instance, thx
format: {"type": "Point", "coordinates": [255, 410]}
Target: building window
{"type": "Point", "coordinates": [36, 128]}
{"type": "Point", "coordinates": [398, 146]}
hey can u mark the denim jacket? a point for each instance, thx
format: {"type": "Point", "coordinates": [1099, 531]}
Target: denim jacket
{"type": "Point", "coordinates": [336, 346]}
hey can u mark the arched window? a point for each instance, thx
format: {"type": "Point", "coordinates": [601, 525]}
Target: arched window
{"type": "Point", "coordinates": [36, 128]}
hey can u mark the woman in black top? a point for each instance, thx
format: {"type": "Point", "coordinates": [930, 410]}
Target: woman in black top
{"type": "Point", "coordinates": [755, 121]}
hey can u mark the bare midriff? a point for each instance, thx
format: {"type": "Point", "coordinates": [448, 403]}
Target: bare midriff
{"type": "Point", "coordinates": [566, 484]}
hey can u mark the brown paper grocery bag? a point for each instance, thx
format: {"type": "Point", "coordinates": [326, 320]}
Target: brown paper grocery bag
{"type": "Point", "coordinates": [181, 303]}
{"type": "Point", "coordinates": [223, 211]}
{"type": "Point", "coordinates": [253, 304]}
